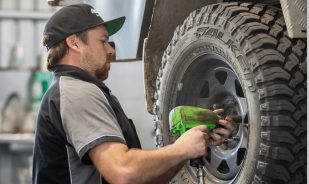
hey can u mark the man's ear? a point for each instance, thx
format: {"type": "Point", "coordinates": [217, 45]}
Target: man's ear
{"type": "Point", "coordinates": [72, 42]}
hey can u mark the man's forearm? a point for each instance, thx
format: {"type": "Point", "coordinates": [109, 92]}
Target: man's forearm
{"type": "Point", "coordinates": [118, 164]}
{"type": "Point", "coordinates": [155, 166]}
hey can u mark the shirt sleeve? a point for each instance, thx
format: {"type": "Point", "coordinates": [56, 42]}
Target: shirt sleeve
{"type": "Point", "coordinates": [87, 117]}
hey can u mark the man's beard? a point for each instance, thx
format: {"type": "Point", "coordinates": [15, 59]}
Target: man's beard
{"type": "Point", "coordinates": [101, 74]}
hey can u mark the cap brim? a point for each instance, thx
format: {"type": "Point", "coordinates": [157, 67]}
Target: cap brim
{"type": "Point", "coordinates": [115, 25]}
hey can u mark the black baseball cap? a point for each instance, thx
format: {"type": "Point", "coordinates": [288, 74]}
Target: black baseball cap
{"type": "Point", "coordinates": [74, 19]}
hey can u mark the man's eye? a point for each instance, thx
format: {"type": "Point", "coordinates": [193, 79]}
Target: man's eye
{"type": "Point", "coordinates": [112, 44]}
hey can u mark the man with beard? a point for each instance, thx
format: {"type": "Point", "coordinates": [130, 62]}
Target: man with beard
{"type": "Point", "coordinates": [82, 133]}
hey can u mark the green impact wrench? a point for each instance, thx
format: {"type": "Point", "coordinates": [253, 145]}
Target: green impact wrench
{"type": "Point", "coordinates": [182, 118]}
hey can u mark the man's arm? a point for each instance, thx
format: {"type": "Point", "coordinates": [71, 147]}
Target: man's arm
{"type": "Point", "coordinates": [118, 164]}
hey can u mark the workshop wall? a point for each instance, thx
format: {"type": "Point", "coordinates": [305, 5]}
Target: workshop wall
{"type": "Point", "coordinates": [126, 83]}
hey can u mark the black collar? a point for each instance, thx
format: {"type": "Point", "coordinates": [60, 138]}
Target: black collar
{"type": "Point", "coordinates": [78, 73]}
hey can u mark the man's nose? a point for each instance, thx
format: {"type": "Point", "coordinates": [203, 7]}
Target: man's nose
{"type": "Point", "coordinates": [112, 49]}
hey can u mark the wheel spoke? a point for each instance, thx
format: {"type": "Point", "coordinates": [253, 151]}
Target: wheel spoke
{"type": "Point", "coordinates": [229, 83]}
{"type": "Point", "coordinates": [215, 160]}
{"type": "Point", "coordinates": [232, 164]}
{"type": "Point", "coordinates": [213, 81]}
{"type": "Point", "coordinates": [224, 165]}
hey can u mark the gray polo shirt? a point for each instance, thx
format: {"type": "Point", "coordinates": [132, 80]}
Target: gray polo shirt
{"type": "Point", "coordinates": [75, 116]}
{"type": "Point", "coordinates": [88, 120]}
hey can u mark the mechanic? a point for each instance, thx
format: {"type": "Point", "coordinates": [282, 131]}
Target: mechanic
{"type": "Point", "coordinates": [82, 134]}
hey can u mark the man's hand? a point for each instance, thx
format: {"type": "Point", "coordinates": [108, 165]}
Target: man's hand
{"type": "Point", "coordinates": [218, 135]}
{"type": "Point", "coordinates": [194, 141]}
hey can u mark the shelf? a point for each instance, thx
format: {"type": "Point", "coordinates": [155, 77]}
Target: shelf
{"type": "Point", "coordinates": [17, 142]}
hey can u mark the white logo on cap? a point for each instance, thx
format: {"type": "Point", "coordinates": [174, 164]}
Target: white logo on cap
{"type": "Point", "coordinates": [93, 11]}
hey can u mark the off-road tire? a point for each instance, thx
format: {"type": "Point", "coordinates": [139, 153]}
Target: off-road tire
{"type": "Point", "coordinates": [251, 41]}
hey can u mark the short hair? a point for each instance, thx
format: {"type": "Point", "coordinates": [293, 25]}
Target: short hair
{"type": "Point", "coordinates": [59, 50]}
